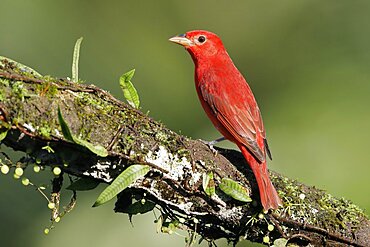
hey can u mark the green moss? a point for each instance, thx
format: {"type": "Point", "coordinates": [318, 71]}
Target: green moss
{"type": "Point", "coordinates": [183, 152]}
{"type": "Point", "coordinates": [4, 82]}
{"type": "Point", "coordinates": [85, 133]}
{"type": "Point", "coordinates": [161, 137]}
{"type": "Point", "coordinates": [2, 94]}
{"type": "Point", "coordinates": [85, 99]}
{"type": "Point", "coordinates": [316, 207]}
{"type": "Point", "coordinates": [17, 120]}
{"type": "Point", "coordinates": [45, 131]}
{"type": "Point", "coordinates": [21, 69]}
{"type": "Point", "coordinates": [340, 212]}
{"type": "Point", "coordinates": [48, 89]}
{"type": "Point", "coordinates": [19, 90]}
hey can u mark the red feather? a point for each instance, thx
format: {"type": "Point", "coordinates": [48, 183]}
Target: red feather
{"type": "Point", "coordinates": [230, 104]}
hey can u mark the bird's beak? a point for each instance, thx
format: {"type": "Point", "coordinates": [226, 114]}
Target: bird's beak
{"type": "Point", "coordinates": [181, 40]}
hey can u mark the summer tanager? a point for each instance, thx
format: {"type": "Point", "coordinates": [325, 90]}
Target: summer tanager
{"type": "Point", "coordinates": [229, 103]}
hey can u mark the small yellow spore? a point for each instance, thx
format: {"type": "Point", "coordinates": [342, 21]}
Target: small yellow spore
{"type": "Point", "coordinates": [270, 228]}
{"type": "Point", "coordinates": [266, 239]}
{"type": "Point", "coordinates": [25, 181]}
{"type": "Point", "coordinates": [57, 171]}
{"type": "Point", "coordinates": [36, 168]}
{"type": "Point", "coordinates": [18, 171]}
{"type": "Point", "coordinates": [261, 216]}
{"type": "Point", "coordinates": [4, 169]}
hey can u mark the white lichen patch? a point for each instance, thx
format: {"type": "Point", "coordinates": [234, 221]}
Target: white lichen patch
{"type": "Point", "coordinates": [177, 167]}
{"type": "Point", "coordinates": [235, 213]}
{"type": "Point", "coordinates": [29, 127]}
{"type": "Point", "coordinates": [99, 175]}
{"type": "Point", "coordinates": [185, 206]}
{"type": "Point", "coordinates": [101, 170]}
{"type": "Point", "coordinates": [314, 210]}
{"type": "Point", "coordinates": [57, 133]}
{"type": "Point", "coordinates": [195, 178]}
{"type": "Point", "coordinates": [102, 165]}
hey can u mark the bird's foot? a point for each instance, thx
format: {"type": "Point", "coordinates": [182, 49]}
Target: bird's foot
{"type": "Point", "coordinates": [210, 144]}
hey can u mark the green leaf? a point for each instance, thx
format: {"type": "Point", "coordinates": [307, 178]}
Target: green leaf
{"type": "Point", "coordinates": [20, 66]}
{"type": "Point", "coordinates": [83, 184]}
{"type": "Point", "coordinates": [234, 190]}
{"type": "Point", "coordinates": [128, 89]}
{"type": "Point", "coordinates": [96, 149]}
{"type": "Point", "coordinates": [3, 134]}
{"type": "Point", "coordinates": [76, 58]}
{"type": "Point", "coordinates": [65, 129]}
{"type": "Point", "coordinates": [128, 75]}
{"type": "Point", "coordinates": [209, 184]}
{"type": "Point", "coordinates": [126, 178]}
{"type": "Point", "coordinates": [280, 242]}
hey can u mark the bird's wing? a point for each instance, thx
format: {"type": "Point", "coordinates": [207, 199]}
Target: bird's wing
{"type": "Point", "coordinates": [240, 121]}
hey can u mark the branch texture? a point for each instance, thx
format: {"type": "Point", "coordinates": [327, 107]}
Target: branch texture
{"type": "Point", "coordinates": [28, 113]}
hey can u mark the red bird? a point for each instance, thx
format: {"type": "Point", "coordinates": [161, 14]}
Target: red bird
{"type": "Point", "coordinates": [230, 105]}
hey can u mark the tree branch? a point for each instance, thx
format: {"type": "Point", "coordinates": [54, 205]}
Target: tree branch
{"type": "Point", "coordinates": [28, 108]}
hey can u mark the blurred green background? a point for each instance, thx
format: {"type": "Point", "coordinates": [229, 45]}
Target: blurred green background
{"type": "Point", "coordinates": [307, 61]}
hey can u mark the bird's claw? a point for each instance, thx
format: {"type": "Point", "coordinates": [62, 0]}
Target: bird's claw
{"type": "Point", "coordinates": [214, 151]}
{"type": "Point", "coordinates": [212, 143]}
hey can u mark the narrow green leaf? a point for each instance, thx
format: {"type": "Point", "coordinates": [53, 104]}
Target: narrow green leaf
{"type": "Point", "coordinates": [65, 129]}
{"type": "Point", "coordinates": [128, 75]}
{"type": "Point", "coordinates": [83, 184]}
{"type": "Point", "coordinates": [20, 66]}
{"type": "Point", "coordinates": [3, 134]}
{"type": "Point", "coordinates": [96, 149]}
{"type": "Point", "coordinates": [209, 184]}
{"type": "Point", "coordinates": [234, 190]}
{"type": "Point", "coordinates": [126, 178]}
{"type": "Point", "coordinates": [128, 89]}
{"type": "Point", "coordinates": [76, 58]}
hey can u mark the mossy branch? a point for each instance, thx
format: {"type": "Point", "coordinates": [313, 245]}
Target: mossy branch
{"type": "Point", "coordinates": [29, 118]}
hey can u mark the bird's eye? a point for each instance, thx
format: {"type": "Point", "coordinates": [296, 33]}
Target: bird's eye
{"type": "Point", "coordinates": [201, 39]}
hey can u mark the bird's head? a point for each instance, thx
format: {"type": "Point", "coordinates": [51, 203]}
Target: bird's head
{"type": "Point", "coordinates": [200, 44]}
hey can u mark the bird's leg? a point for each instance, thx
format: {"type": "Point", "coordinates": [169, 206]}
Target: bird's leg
{"type": "Point", "coordinates": [211, 143]}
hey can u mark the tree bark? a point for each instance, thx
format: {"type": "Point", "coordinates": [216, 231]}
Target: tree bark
{"type": "Point", "coordinates": [28, 113]}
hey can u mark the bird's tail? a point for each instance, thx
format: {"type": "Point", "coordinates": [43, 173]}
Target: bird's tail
{"type": "Point", "coordinates": [269, 197]}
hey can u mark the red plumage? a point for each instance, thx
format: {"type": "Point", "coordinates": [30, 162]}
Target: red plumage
{"type": "Point", "coordinates": [230, 105]}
